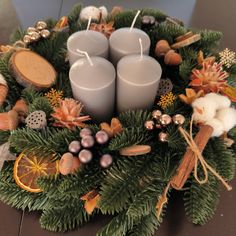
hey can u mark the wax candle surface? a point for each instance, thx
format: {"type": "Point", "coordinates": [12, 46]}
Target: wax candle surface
{"type": "Point", "coordinates": [94, 43]}
{"type": "Point", "coordinates": [137, 82]}
{"type": "Point", "coordinates": [94, 86]}
{"type": "Point", "coordinates": [124, 42]}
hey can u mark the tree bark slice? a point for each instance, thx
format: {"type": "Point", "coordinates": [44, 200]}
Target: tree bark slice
{"type": "Point", "coordinates": [187, 164]}
{"type": "Point", "coordinates": [32, 70]}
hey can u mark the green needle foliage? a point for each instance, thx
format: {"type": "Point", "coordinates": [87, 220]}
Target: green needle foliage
{"type": "Point", "coordinates": [130, 188]}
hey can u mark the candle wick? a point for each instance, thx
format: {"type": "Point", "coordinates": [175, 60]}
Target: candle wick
{"type": "Point", "coordinates": [141, 48]}
{"type": "Point", "coordinates": [134, 20]}
{"type": "Point", "coordinates": [89, 23]}
{"type": "Point", "coordinates": [87, 55]}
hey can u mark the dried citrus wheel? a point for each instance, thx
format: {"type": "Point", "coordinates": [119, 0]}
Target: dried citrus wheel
{"type": "Point", "coordinates": [28, 168]}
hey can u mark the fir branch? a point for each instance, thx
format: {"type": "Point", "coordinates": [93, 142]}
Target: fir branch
{"type": "Point", "coordinates": [18, 34]}
{"type": "Point", "coordinates": [129, 137]}
{"type": "Point", "coordinates": [73, 18]}
{"type": "Point", "coordinates": [29, 94]}
{"type": "Point", "coordinates": [200, 201]}
{"type": "Point", "coordinates": [41, 104]}
{"type": "Point", "coordinates": [125, 19]}
{"type": "Point", "coordinates": [63, 84]}
{"type": "Point", "coordinates": [159, 16]}
{"type": "Point", "coordinates": [64, 219]}
{"type": "Point", "coordinates": [4, 136]}
{"type": "Point", "coordinates": [134, 118]}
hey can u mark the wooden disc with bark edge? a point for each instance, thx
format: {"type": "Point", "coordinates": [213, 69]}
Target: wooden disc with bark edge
{"type": "Point", "coordinates": [32, 70]}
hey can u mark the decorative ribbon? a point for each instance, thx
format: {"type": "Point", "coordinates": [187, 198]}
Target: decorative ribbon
{"type": "Point", "coordinates": [199, 158]}
{"type": "Point", "coordinates": [18, 45]}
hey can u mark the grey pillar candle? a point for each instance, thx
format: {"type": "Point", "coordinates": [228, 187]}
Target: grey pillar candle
{"type": "Point", "coordinates": [94, 86]}
{"type": "Point", "coordinates": [138, 78]}
{"type": "Point", "coordinates": [124, 42]}
{"type": "Point", "coordinates": [94, 43]}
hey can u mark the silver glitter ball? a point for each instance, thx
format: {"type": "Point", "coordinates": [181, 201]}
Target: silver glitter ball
{"type": "Point", "coordinates": [163, 137]}
{"type": "Point", "coordinates": [74, 147]}
{"type": "Point", "coordinates": [31, 30]}
{"type": "Point", "coordinates": [41, 25]}
{"type": "Point", "coordinates": [102, 137]}
{"type": "Point", "coordinates": [87, 141]}
{"type": "Point", "coordinates": [85, 132]}
{"type": "Point", "coordinates": [178, 119]}
{"type": "Point", "coordinates": [156, 114]}
{"type": "Point", "coordinates": [165, 120]}
{"type": "Point", "coordinates": [35, 36]}
{"type": "Point", "coordinates": [106, 160]}
{"type": "Point", "coordinates": [149, 125]}
{"type": "Point", "coordinates": [27, 39]}
{"type": "Point", "coordinates": [85, 156]}
{"type": "Point", "coordinates": [45, 33]}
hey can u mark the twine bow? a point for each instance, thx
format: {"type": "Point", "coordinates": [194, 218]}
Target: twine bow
{"type": "Point", "coordinates": [199, 158]}
{"type": "Point", "coordinates": [18, 45]}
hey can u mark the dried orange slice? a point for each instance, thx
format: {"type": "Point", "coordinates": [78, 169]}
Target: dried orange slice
{"type": "Point", "coordinates": [28, 168]}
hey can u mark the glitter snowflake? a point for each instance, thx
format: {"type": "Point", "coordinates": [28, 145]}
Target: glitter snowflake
{"type": "Point", "coordinates": [166, 100]}
{"type": "Point", "coordinates": [227, 58]}
{"type": "Point", "coordinates": [54, 97]}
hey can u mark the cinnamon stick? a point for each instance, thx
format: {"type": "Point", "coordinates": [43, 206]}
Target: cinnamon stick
{"type": "Point", "coordinates": [187, 164]}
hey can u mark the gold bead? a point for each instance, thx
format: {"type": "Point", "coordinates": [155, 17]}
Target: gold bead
{"type": "Point", "coordinates": [27, 39]}
{"type": "Point", "coordinates": [41, 25]}
{"type": "Point", "coordinates": [45, 33]}
{"type": "Point", "coordinates": [156, 114]}
{"type": "Point", "coordinates": [178, 119]}
{"type": "Point", "coordinates": [165, 119]}
{"type": "Point", "coordinates": [149, 125]}
{"type": "Point", "coordinates": [35, 36]}
{"type": "Point", "coordinates": [31, 30]}
{"type": "Point", "coordinates": [163, 137]}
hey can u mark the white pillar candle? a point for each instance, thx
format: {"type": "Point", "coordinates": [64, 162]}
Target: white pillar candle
{"type": "Point", "coordinates": [138, 78]}
{"type": "Point", "coordinates": [125, 41]}
{"type": "Point", "coordinates": [95, 43]}
{"type": "Point", "coordinates": [93, 83]}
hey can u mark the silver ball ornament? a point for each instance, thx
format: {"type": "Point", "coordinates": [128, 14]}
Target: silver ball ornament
{"type": "Point", "coordinates": [87, 141]}
{"type": "Point", "coordinates": [74, 147]}
{"type": "Point", "coordinates": [163, 137]}
{"type": "Point", "coordinates": [85, 132]}
{"type": "Point", "coordinates": [27, 39]}
{"type": "Point", "coordinates": [45, 33]}
{"type": "Point", "coordinates": [149, 125]}
{"type": "Point", "coordinates": [178, 119]}
{"type": "Point", "coordinates": [156, 114]}
{"type": "Point", "coordinates": [35, 36]}
{"type": "Point", "coordinates": [85, 156]}
{"type": "Point", "coordinates": [41, 25]}
{"type": "Point", "coordinates": [165, 120]}
{"type": "Point", "coordinates": [31, 30]}
{"type": "Point", "coordinates": [102, 137]}
{"type": "Point", "coordinates": [106, 160]}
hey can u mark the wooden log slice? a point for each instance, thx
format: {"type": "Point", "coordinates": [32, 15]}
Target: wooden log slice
{"type": "Point", "coordinates": [32, 70]}
{"type": "Point", "coordinates": [186, 42]}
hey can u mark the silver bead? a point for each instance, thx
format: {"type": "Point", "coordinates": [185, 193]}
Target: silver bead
{"type": "Point", "coordinates": [163, 137]}
{"type": "Point", "coordinates": [156, 114]}
{"type": "Point", "coordinates": [27, 39]}
{"type": "Point", "coordinates": [31, 30]}
{"type": "Point", "coordinates": [165, 120]}
{"type": "Point", "coordinates": [106, 160]}
{"type": "Point", "coordinates": [74, 146]}
{"type": "Point", "coordinates": [45, 33]}
{"type": "Point", "coordinates": [149, 125]}
{"type": "Point", "coordinates": [41, 25]}
{"type": "Point", "coordinates": [178, 119]}
{"type": "Point", "coordinates": [101, 137]}
{"type": "Point", "coordinates": [87, 141]}
{"type": "Point", "coordinates": [85, 132]}
{"type": "Point", "coordinates": [35, 36]}
{"type": "Point", "coordinates": [85, 156]}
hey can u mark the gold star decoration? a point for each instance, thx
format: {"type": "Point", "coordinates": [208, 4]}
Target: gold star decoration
{"type": "Point", "coordinates": [227, 58]}
{"type": "Point", "coordinates": [166, 100]}
{"type": "Point", "coordinates": [54, 96]}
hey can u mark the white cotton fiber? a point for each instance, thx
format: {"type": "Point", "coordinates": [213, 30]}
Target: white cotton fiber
{"type": "Point", "coordinates": [218, 128]}
{"type": "Point", "coordinates": [220, 100]}
{"type": "Point", "coordinates": [228, 118]}
{"type": "Point", "coordinates": [204, 109]}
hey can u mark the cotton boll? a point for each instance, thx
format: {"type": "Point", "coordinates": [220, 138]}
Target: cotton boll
{"type": "Point", "coordinates": [218, 128]}
{"type": "Point", "coordinates": [220, 100]}
{"type": "Point", "coordinates": [204, 109]}
{"type": "Point", "coordinates": [104, 12]}
{"type": "Point", "coordinates": [228, 117]}
{"type": "Point", "coordinates": [90, 11]}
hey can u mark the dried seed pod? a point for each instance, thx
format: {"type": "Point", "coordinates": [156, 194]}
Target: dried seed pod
{"type": "Point", "coordinates": [8, 120]}
{"type": "Point", "coordinates": [162, 47]}
{"type": "Point", "coordinates": [172, 58]}
{"type": "Point", "coordinates": [75, 165]}
{"type": "Point", "coordinates": [165, 86]}
{"type": "Point", "coordinates": [21, 107]}
{"type": "Point", "coordinates": [36, 120]}
{"type": "Point", "coordinates": [135, 150]}
{"type": "Point", "coordinates": [66, 163]}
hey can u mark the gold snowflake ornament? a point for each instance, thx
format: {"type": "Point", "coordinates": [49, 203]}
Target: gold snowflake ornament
{"type": "Point", "coordinates": [166, 100]}
{"type": "Point", "coordinates": [227, 58]}
{"type": "Point", "coordinates": [54, 97]}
